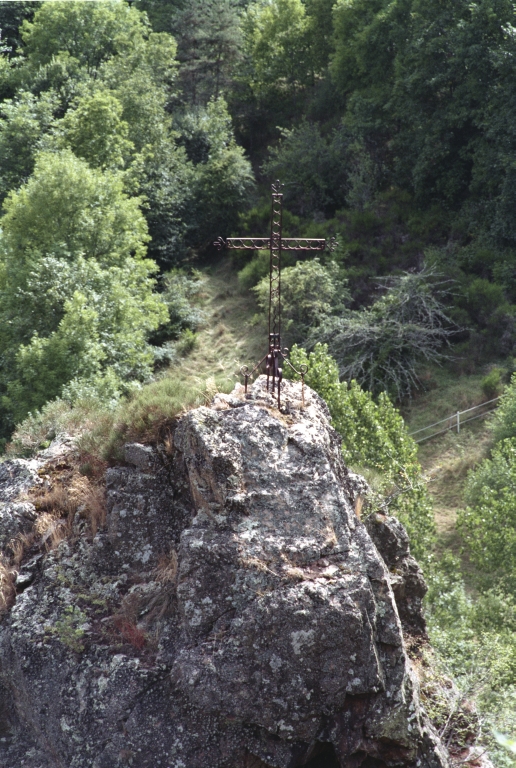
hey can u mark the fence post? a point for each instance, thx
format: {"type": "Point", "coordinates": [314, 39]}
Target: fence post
{"type": "Point", "coordinates": [458, 422]}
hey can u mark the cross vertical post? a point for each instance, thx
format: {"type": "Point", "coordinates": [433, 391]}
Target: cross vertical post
{"type": "Point", "coordinates": [275, 244]}
{"type": "Point", "coordinates": [272, 365]}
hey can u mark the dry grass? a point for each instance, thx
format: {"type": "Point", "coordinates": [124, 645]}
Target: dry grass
{"type": "Point", "coordinates": [67, 493]}
{"type": "Point", "coordinates": [64, 494]}
{"type": "Point", "coordinates": [7, 585]}
{"type": "Point", "coordinates": [446, 462]}
{"type": "Point", "coordinates": [257, 564]}
{"type": "Point", "coordinates": [166, 570]}
{"type": "Point", "coordinates": [229, 338]}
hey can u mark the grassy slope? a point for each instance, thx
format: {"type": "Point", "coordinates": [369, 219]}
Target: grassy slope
{"type": "Point", "coordinates": [228, 338]}
{"type": "Point", "coordinates": [447, 458]}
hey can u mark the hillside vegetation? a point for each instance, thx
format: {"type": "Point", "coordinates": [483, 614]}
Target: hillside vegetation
{"type": "Point", "coordinates": [132, 135]}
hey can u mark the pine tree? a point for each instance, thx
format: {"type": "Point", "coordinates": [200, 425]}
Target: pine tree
{"type": "Point", "coordinates": [209, 45]}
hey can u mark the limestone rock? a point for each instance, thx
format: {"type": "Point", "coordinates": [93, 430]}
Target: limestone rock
{"type": "Point", "coordinates": [234, 612]}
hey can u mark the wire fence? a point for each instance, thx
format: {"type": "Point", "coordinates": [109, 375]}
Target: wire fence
{"type": "Point", "coordinates": [455, 421]}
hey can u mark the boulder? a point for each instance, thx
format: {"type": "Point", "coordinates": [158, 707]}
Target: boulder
{"type": "Point", "coordinates": [234, 612]}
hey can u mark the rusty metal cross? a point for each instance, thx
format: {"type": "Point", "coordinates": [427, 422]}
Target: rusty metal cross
{"type": "Point", "coordinates": [275, 244]}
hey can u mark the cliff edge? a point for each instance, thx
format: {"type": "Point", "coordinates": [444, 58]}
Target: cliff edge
{"type": "Point", "coordinates": [233, 612]}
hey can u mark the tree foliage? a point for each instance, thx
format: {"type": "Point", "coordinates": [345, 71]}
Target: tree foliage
{"type": "Point", "coordinates": [209, 39]}
{"type": "Point", "coordinates": [95, 78]}
{"type": "Point", "coordinates": [95, 168]}
{"type": "Point", "coordinates": [310, 294]}
{"type": "Point", "coordinates": [504, 422]}
{"type": "Point", "coordinates": [76, 288]}
{"type": "Point", "coordinates": [489, 521]}
{"type": "Point", "coordinates": [89, 35]}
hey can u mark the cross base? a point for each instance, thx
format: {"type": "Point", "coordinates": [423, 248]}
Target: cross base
{"type": "Point", "coordinates": [274, 371]}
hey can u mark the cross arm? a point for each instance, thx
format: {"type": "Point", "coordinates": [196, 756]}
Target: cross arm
{"type": "Point", "coordinates": [302, 244]}
{"type": "Point", "coordinates": [244, 243]}
{"type": "Point", "coordinates": [264, 243]}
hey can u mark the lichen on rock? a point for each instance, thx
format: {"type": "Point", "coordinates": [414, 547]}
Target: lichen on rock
{"type": "Point", "coordinates": [234, 612]}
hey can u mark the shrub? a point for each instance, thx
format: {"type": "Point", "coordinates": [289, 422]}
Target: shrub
{"type": "Point", "coordinates": [254, 271]}
{"type": "Point", "coordinates": [504, 422]}
{"type": "Point", "coordinates": [187, 342]}
{"type": "Point", "coordinates": [489, 522]}
{"type": "Point", "coordinates": [310, 293]}
{"type": "Point", "coordinates": [101, 430]}
{"type": "Point", "coordinates": [179, 292]}
{"type": "Point", "coordinates": [69, 629]}
{"type": "Point", "coordinates": [492, 384]}
{"type": "Point", "coordinates": [474, 643]}
{"type": "Point", "coordinates": [375, 440]}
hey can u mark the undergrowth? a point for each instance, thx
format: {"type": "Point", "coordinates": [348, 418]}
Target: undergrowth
{"type": "Point", "coordinates": [100, 431]}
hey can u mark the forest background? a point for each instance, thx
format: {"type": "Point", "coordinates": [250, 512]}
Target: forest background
{"type": "Point", "coordinates": [133, 134]}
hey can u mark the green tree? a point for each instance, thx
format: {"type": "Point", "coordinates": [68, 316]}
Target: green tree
{"type": "Point", "coordinates": [107, 82]}
{"type": "Point", "coordinates": [430, 93]}
{"type": "Point", "coordinates": [221, 177]}
{"type": "Point", "coordinates": [489, 521]}
{"type": "Point", "coordinates": [278, 43]}
{"type": "Point", "coordinates": [45, 364]}
{"type": "Point", "coordinates": [75, 286]}
{"type": "Point", "coordinates": [504, 422]}
{"type": "Point", "coordinates": [89, 33]}
{"type": "Point", "coordinates": [320, 15]}
{"type": "Point", "coordinates": [69, 208]}
{"type": "Point", "coordinates": [96, 132]}
{"type": "Point", "coordinates": [310, 293]}
{"type": "Point", "coordinates": [23, 122]}
{"type": "Point", "coordinates": [313, 167]}
{"type": "Point", "coordinates": [12, 14]}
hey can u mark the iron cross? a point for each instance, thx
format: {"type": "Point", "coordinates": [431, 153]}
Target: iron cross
{"type": "Point", "coordinates": [275, 244]}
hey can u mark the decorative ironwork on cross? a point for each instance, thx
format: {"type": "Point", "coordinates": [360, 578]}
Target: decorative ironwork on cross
{"type": "Point", "coordinates": [275, 244]}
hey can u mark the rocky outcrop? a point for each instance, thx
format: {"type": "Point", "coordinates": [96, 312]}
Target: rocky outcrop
{"type": "Point", "coordinates": [405, 575]}
{"type": "Point", "coordinates": [234, 612]}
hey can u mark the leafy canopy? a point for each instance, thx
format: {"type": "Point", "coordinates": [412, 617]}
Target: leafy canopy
{"type": "Point", "coordinates": [90, 33]}
{"type": "Point", "coordinates": [75, 286]}
{"type": "Point", "coordinates": [310, 293]}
